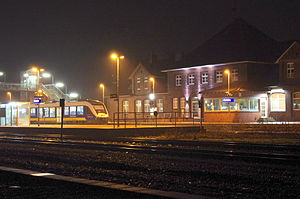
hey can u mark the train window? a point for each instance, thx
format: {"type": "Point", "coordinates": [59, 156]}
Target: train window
{"type": "Point", "coordinates": [46, 112]}
{"type": "Point", "coordinates": [79, 110]}
{"type": "Point", "coordinates": [67, 110]}
{"type": "Point", "coordinates": [72, 110]}
{"type": "Point", "coordinates": [52, 112]}
{"type": "Point", "coordinates": [33, 112]}
{"type": "Point", "coordinates": [99, 108]}
{"type": "Point", "coordinates": [41, 112]}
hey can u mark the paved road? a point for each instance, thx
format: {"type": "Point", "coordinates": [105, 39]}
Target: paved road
{"type": "Point", "coordinates": [167, 166]}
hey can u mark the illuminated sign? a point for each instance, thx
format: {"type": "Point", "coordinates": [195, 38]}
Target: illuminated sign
{"type": "Point", "coordinates": [228, 100]}
{"type": "Point", "coordinates": [37, 101]}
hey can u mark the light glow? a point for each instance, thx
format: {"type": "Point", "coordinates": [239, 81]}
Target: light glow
{"type": "Point", "coordinates": [101, 85]}
{"type": "Point", "coordinates": [151, 96]}
{"type": "Point", "coordinates": [46, 75]}
{"type": "Point", "coordinates": [73, 95]}
{"type": "Point", "coordinates": [59, 84]}
{"type": "Point", "coordinates": [1, 73]}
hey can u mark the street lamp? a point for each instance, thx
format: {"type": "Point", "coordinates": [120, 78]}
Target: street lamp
{"type": "Point", "coordinates": [117, 58]}
{"type": "Point", "coordinates": [9, 95]}
{"type": "Point", "coordinates": [102, 86]}
{"type": "Point", "coordinates": [61, 85]}
{"type": "Point", "coordinates": [2, 74]}
{"type": "Point", "coordinates": [227, 71]}
{"type": "Point", "coordinates": [38, 70]}
{"type": "Point", "coordinates": [73, 95]}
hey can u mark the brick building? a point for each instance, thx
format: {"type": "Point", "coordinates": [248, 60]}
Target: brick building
{"type": "Point", "coordinates": [264, 78]}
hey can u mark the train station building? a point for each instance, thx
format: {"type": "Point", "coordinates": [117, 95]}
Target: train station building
{"type": "Point", "coordinates": [238, 75]}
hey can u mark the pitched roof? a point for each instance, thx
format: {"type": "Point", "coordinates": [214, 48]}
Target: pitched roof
{"type": "Point", "coordinates": [239, 41]}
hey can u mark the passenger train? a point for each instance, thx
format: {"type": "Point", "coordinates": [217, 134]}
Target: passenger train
{"type": "Point", "coordinates": [86, 112]}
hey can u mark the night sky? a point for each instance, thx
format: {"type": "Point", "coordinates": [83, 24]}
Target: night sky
{"type": "Point", "coordinates": [72, 39]}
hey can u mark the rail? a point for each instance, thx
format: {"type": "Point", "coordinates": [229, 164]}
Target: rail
{"type": "Point", "coordinates": [15, 87]}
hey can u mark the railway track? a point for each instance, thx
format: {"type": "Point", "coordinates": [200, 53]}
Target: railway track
{"type": "Point", "coordinates": [280, 154]}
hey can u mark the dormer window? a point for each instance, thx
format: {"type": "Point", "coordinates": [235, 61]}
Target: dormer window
{"type": "Point", "coordinates": [290, 70]}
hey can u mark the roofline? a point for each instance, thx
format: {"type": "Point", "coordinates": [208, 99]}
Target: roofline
{"type": "Point", "coordinates": [294, 43]}
{"type": "Point", "coordinates": [213, 65]}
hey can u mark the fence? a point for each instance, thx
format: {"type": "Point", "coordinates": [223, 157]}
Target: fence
{"type": "Point", "coordinates": [156, 119]}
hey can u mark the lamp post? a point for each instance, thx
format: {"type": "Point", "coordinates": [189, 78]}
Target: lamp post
{"type": "Point", "coordinates": [2, 74]}
{"type": "Point", "coordinates": [227, 71]}
{"type": "Point", "coordinates": [102, 86]}
{"type": "Point", "coordinates": [37, 70]}
{"type": "Point", "coordinates": [9, 95]}
{"type": "Point", "coordinates": [117, 58]}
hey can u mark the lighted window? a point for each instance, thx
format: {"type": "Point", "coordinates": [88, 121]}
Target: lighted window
{"type": "Point", "coordinates": [125, 106]}
{"type": "Point", "coordinates": [191, 79]}
{"type": "Point", "coordinates": [41, 113]}
{"type": "Point", "coordinates": [204, 78]}
{"type": "Point", "coordinates": [46, 112]}
{"type": "Point", "coordinates": [235, 75]}
{"type": "Point", "coordinates": [278, 102]}
{"type": "Point", "coordinates": [67, 110]}
{"type": "Point", "coordinates": [146, 83]}
{"type": "Point", "coordinates": [72, 110]}
{"type": "Point", "coordinates": [178, 80]}
{"type": "Point", "coordinates": [233, 106]}
{"type": "Point", "coordinates": [79, 110]}
{"type": "Point", "coordinates": [208, 105]}
{"type": "Point", "coordinates": [33, 112]}
{"type": "Point", "coordinates": [296, 100]}
{"type": "Point", "coordinates": [290, 69]}
{"type": "Point", "coordinates": [147, 105]}
{"type": "Point", "coordinates": [182, 102]}
{"type": "Point", "coordinates": [160, 105]}
{"type": "Point", "coordinates": [225, 106]}
{"type": "Point", "coordinates": [52, 112]}
{"type": "Point", "coordinates": [138, 106]}
{"type": "Point", "coordinates": [175, 103]}
{"type": "Point", "coordinates": [216, 104]}
{"type": "Point", "coordinates": [138, 83]}
{"type": "Point", "coordinates": [219, 76]}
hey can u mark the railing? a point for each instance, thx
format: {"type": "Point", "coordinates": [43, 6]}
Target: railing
{"type": "Point", "coordinates": [15, 87]}
{"type": "Point", "coordinates": [53, 92]}
{"type": "Point", "coordinates": [160, 119]}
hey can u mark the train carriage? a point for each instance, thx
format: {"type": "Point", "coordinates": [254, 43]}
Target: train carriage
{"type": "Point", "coordinates": [86, 112]}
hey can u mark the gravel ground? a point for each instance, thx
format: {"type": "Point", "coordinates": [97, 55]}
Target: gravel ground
{"type": "Point", "coordinates": [203, 176]}
{"type": "Point", "coordinates": [14, 186]}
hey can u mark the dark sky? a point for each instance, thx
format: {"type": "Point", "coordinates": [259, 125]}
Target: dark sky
{"type": "Point", "coordinates": [72, 39]}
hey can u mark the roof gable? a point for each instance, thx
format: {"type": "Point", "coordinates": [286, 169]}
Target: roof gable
{"type": "Point", "coordinates": [293, 52]}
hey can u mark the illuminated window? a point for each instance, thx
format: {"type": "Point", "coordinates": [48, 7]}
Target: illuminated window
{"type": "Point", "coordinates": [79, 110]}
{"type": "Point", "coordinates": [41, 112]}
{"type": "Point", "coordinates": [125, 106]}
{"type": "Point", "coordinates": [191, 79]}
{"type": "Point", "coordinates": [72, 110]}
{"type": "Point", "coordinates": [296, 100]}
{"type": "Point", "coordinates": [147, 105]}
{"type": "Point", "coordinates": [160, 105]}
{"type": "Point", "coordinates": [178, 80]}
{"type": "Point", "coordinates": [208, 105]}
{"type": "Point", "coordinates": [52, 112]}
{"type": "Point", "coordinates": [204, 78]}
{"type": "Point", "coordinates": [146, 83]}
{"type": "Point", "coordinates": [46, 112]}
{"type": "Point", "coordinates": [290, 69]}
{"type": "Point", "coordinates": [235, 75]}
{"type": "Point", "coordinates": [182, 102]}
{"type": "Point", "coordinates": [138, 83]}
{"type": "Point", "coordinates": [67, 110]}
{"type": "Point", "coordinates": [138, 105]}
{"type": "Point", "coordinates": [216, 104]}
{"type": "Point", "coordinates": [33, 112]}
{"type": "Point", "coordinates": [219, 76]}
{"type": "Point", "coordinates": [278, 102]}
{"type": "Point", "coordinates": [175, 103]}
